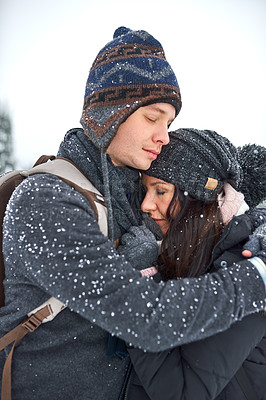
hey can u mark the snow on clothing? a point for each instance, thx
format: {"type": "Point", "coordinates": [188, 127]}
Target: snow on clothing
{"type": "Point", "coordinates": [53, 247]}
{"type": "Point", "coordinates": [201, 370]}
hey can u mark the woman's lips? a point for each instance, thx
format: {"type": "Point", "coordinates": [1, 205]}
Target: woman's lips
{"type": "Point", "coordinates": [159, 221]}
{"type": "Point", "coordinates": [162, 223]}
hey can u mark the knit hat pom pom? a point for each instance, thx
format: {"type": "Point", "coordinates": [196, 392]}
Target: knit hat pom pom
{"type": "Point", "coordinates": [252, 159]}
{"type": "Point", "coordinates": [122, 30]}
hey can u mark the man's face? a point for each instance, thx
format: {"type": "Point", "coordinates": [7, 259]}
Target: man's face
{"type": "Point", "coordinates": [139, 139]}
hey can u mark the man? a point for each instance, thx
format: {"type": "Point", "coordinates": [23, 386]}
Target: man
{"type": "Point", "coordinates": [53, 245]}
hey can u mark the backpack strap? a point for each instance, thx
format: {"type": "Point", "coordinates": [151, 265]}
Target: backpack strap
{"type": "Point", "coordinates": [15, 336]}
{"type": "Point", "coordinates": [8, 183]}
{"type": "Point", "coordinates": [69, 173]}
{"type": "Point", "coordinates": [43, 159]}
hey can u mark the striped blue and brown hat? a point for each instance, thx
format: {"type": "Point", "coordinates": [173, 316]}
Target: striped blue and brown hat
{"type": "Point", "coordinates": [131, 71]}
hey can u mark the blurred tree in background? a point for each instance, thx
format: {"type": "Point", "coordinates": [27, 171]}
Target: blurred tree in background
{"type": "Point", "coordinates": [7, 161]}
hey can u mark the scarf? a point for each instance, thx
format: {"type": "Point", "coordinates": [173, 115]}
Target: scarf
{"type": "Point", "coordinates": [123, 181]}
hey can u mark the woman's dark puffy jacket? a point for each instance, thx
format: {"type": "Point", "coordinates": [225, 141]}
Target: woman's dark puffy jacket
{"type": "Point", "coordinates": [205, 370]}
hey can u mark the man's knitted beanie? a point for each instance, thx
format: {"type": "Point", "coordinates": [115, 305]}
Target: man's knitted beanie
{"type": "Point", "coordinates": [198, 162]}
{"type": "Point", "coordinates": [131, 71]}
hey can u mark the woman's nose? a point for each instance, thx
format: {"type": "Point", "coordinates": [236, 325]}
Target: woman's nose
{"type": "Point", "coordinates": [148, 203]}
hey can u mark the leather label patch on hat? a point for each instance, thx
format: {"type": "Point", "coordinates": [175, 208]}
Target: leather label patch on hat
{"type": "Point", "coordinates": [211, 184]}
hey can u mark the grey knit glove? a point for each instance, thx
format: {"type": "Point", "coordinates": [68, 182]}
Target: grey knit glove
{"type": "Point", "coordinates": [257, 216]}
{"type": "Point", "coordinates": [152, 226]}
{"type": "Point", "coordinates": [256, 246]}
{"type": "Point", "coordinates": [139, 247]}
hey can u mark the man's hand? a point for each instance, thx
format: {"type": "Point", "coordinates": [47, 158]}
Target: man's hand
{"type": "Point", "coordinates": [152, 226]}
{"type": "Point", "coordinates": [256, 246]}
{"type": "Point", "coordinates": [139, 247]}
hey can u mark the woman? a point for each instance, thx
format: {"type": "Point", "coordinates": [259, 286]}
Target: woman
{"type": "Point", "coordinates": [191, 193]}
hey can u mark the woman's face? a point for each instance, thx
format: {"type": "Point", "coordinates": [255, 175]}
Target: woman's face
{"type": "Point", "coordinates": [156, 202]}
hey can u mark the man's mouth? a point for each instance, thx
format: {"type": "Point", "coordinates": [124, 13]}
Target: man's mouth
{"type": "Point", "coordinates": [152, 153]}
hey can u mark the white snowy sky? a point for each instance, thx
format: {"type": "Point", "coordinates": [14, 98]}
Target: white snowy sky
{"type": "Point", "coordinates": [216, 47]}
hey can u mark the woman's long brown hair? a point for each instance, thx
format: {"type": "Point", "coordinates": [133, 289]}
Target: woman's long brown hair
{"type": "Point", "coordinates": [187, 247]}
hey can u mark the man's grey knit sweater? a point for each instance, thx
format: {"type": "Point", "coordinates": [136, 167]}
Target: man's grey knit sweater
{"type": "Point", "coordinates": [53, 247]}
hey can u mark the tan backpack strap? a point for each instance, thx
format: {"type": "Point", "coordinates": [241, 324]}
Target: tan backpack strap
{"type": "Point", "coordinates": [15, 335]}
{"type": "Point", "coordinates": [55, 305]}
{"type": "Point", "coordinates": [69, 173]}
{"type": "Point", "coordinates": [89, 195]}
{"type": "Point", "coordinates": [43, 159]}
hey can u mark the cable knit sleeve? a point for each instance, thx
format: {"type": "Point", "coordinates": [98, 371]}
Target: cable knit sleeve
{"type": "Point", "coordinates": [53, 240]}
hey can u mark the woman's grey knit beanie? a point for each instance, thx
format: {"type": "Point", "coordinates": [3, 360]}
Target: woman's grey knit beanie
{"type": "Point", "coordinates": [198, 162]}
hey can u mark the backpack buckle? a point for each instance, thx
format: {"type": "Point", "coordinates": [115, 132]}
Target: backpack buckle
{"type": "Point", "coordinates": [31, 323]}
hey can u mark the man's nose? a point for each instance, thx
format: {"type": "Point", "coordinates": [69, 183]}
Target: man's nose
{"type": "Point", "coordinates": [161, 135]}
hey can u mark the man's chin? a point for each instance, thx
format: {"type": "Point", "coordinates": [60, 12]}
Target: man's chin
{"type": "Point", "coordinates": [146, 166]}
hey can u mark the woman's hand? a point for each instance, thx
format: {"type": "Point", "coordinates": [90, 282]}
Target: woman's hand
{"type": "Point", "coordinates": [149, 271]}
{"type": "Point", "coordinates": [256, 246]}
